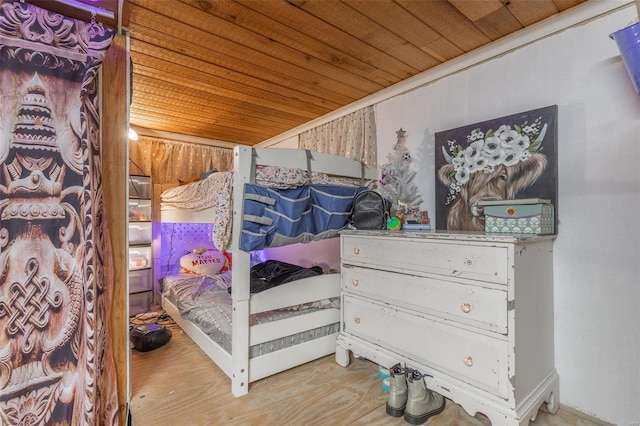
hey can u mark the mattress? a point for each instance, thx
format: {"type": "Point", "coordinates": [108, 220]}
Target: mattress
{"type": "Point", "coordinates": [205, 301]}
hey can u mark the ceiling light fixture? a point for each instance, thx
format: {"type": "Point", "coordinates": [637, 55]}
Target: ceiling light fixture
{"type": "Point", "coordinates": [133, 136]}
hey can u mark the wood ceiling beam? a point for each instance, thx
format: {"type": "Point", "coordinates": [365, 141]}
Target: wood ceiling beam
{"type": "Point", "coordinates": [248, 81]}
{"type": "Point", "coordinates": [216, 50]}
{"type": "Point", "coordinates": [409, 27]}
{"type": "Point", "coordinates": [352, 22]}
{"type": "Point", "coordinates": [223, 133]}
{"type": "Point", "coordinates": [229, 68]}
{"type": "Point", "coordinates": [290, 44]}
{"type": "Point", "coordinates": [292, 16]}
{"type": "Point", "coordinates": [153, 97]}
{"type": "Point", "coordinates": [448, 21]}
{"type": "Point", "coordinates": [150, 95]}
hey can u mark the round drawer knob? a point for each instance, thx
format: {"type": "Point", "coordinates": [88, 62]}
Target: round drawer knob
{"type": "Point", "coordinates": [356, 250]}
{"type": "Point", "coordinates": [356, 320]}
{"type": "Point", "coordinates": [468, 361]}
{"type": "Point", "coordinates": [465, 307]}
{"type": "Point", "coordinates": [468, 262]}
{"type": "Point", "coordinates": [355, 282]}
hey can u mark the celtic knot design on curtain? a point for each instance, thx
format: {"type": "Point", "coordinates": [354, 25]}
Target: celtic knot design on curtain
{"type": "Point", "coordinates": [56, 362]}
{"type": "Point", "coordinates": [29, 306]}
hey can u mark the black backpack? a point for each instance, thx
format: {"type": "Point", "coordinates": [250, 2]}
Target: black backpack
{"type": "Point", "coordinates": [370, 210]}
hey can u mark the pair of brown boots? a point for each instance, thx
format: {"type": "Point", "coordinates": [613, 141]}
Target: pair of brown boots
{"type": "Point", "coordinates": [409, 396]}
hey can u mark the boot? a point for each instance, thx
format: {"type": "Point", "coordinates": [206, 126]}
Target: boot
{"type": "Point", "coordinates": [397, 391]}
{"type": "Point", "coordinates": [422, 403]}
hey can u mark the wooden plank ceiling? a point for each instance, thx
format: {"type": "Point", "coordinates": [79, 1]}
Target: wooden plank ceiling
{"type": "Point", "coordinates": [244, 71]}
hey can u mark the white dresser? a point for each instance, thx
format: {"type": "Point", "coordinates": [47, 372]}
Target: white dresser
{"type": "Point", "coordinates": [473, 311]}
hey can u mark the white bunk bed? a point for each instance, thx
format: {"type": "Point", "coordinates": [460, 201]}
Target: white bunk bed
{"type": "Point", "coordinates": [238, 365]}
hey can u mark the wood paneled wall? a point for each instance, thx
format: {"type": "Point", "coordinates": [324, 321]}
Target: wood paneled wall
{"type": "Point", "coordinates": [115, 157]}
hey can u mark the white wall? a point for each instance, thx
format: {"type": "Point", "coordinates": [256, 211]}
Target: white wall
{"type": "Point", "coordinates": [291, 142]}
{"type": "Point", "coordinates": [597, 252]}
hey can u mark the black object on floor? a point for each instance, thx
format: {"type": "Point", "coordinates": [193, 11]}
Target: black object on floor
{"type": "Point", "coordinates": [147, 337]}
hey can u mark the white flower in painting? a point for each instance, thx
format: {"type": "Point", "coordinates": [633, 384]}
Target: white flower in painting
{"type": "Point", "coordinates": [473, 157]}
{"type": "Point", "coordinates": [516, 144]}
{"type": "Point", "coordinates": [491, 145]}
{"type": "Point", "coordinates": [476, 134]}
{"type": "Point", "coordinates": [488, 150]}
{"type": "Point", "coordinates": [462, 175]}
{"type": "Point", "coordinates": [532, 128]}
{"type": "Point", "coordinates": [496, 157]}
{"type": "Point", "coordinates": [507, 136]}
{"type": "Point", "coordinates": [462, 168]}
{"type": "Point", "coordinates": [480, 163]}
{"type": "Point", "coordinates": [472, 152]}
{"type": "Point", "coordinates": [459, 160]}
{"type": "Point", "coordinates": [523, 143]}
{"type": "Point", "coordinates": [512, 157]}
{"type": "Point", "coordinates": [503, 128]}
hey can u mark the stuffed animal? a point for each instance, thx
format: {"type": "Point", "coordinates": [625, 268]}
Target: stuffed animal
{"type": "Point", "coordinates": [203, 261]}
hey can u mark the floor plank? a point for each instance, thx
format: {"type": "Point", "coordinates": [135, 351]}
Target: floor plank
{"type": "Point", "coordinates": [179, 385]}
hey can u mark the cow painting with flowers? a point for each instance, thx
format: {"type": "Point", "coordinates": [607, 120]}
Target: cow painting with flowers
{"type": "Point", "coordinates": [507, 158]}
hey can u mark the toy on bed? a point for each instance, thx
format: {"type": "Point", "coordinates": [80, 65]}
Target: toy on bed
{"type": "Point", "coordinates": [254, 335]}
{"type": "Point", "coordinates": [203, 261]}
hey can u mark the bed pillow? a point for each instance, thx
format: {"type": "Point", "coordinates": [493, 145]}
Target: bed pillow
{"type": "Point", "coordinates": [202, 262]}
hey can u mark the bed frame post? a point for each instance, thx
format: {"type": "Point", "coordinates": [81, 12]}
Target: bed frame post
{"type": "Point", "coordinates": [242, 174]}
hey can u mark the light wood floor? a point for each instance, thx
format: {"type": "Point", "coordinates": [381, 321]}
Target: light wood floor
{"type": "Point", "coordinates": [178, 385]}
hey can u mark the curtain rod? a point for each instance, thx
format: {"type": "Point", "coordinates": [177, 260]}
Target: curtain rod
{"type": "Point", "coordinates": [87, 8]}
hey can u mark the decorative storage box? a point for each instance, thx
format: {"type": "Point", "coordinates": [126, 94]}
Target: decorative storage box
{"type": "Point", "coordinates": [526, 216]}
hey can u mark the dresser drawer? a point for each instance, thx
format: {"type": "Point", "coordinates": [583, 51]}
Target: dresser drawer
{"type": "Point", "coordinates": [479, 306]}
{"type": "Point", "coordinates": [473, 358]}
{"type": "Point", "coordinates": [402, 254]}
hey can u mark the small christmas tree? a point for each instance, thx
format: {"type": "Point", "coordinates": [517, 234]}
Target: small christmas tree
{"type": "Point", "coordinates": [397, 178]}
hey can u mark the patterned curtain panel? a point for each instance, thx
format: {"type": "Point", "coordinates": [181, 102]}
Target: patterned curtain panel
{"type": "Point", "coordinates": [56, 360]}
{"type": "Point", "coordinates": [351, 136]}
{"type": "Point", "coordinates": [168, 161]}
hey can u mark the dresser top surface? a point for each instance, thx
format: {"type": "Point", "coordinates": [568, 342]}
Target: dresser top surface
{"type": "Point", "coordinates": [450, 235]}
